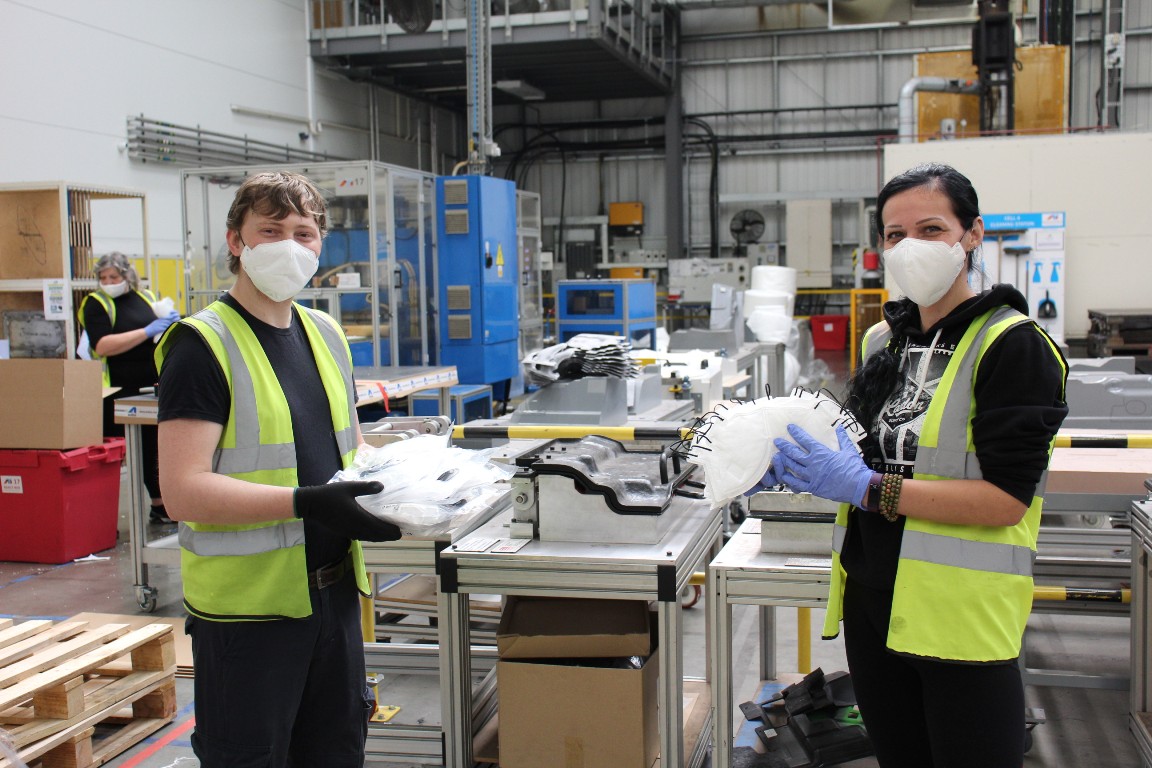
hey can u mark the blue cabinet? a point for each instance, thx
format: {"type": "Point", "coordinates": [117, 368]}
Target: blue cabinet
{"type": "Point", "coordinates": [618, 307]}
{"type": "Point", "coordinates": [478, 294]}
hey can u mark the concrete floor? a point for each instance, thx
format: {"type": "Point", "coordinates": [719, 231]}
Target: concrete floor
{"type": "Point", "coordinates": [1083, 728]}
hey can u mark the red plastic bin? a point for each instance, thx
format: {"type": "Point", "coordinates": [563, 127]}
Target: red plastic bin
{"type": "Point", "coordinates": [829, 331]}
{"type": "Point", "coordinates": [56, 506]}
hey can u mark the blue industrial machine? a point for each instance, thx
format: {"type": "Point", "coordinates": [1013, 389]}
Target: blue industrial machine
{"type": "Point", "coordinates": [478, 297]}
{"type": "Point", "coordinates": [622, 307]}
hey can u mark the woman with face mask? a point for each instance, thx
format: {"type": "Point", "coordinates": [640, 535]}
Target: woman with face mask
{"type": "Point", "coordinates": [961, 395]}
{"type": "Point", "coordinates": [121, 319]}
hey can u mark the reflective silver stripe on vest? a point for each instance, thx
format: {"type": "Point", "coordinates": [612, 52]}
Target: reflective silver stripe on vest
{"type": "Point", "coordinates": [951, 458]}
{"type": "Point", "coordinates": [253, 541]}
{"type": "Point", "coordinates": [334, 338]}
{"type": "Point", "coordinates": [962, 553]}
{"type": "Point", "coordinates": [839, 534]}
{"type": "Point", "coordinates": [248, 455]}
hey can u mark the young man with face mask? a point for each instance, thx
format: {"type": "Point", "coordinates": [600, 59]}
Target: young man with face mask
{"type": "Point", "coordinates": [961, 395]}
{"type": "Point", "coordinates": [257, 413]}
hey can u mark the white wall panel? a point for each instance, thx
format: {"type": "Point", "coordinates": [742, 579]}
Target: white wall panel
{"type": "Point", "coordinates": [1099, 180]}
{"type": "Point", "coordinates": [76, 70]}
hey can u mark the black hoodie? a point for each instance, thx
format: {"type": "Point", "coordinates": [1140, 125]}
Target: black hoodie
{"type": "Point", "coordinates": [1019, 394]}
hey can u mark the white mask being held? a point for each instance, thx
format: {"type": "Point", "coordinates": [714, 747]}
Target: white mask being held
{"type": "Point", "coordinates": [115, 290]}
{"type": "Point", "coordinates": [924, 269]}
{"type": "Point", "coordinates": [279, 270]}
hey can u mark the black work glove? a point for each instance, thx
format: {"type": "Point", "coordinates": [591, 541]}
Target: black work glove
{"type": "Point", "coordinates": [334, 507]}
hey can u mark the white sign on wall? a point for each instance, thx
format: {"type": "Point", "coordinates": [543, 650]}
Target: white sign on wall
{"type": "Point", "coordinates": [1027, 251]}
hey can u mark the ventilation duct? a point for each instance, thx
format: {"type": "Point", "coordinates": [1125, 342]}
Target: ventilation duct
{"type": "Point", "coordinates": [907, 103]}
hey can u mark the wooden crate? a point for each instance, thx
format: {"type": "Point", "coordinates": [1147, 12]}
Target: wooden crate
{"type": "Point", "coordinates": [72, 696]}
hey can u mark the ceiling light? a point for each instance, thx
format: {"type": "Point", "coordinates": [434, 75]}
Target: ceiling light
{"type": "Point", "coordinates": [520, 89]}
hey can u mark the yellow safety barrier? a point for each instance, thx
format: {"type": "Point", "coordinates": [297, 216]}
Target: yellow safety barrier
{"type": "Point", "coordinates": [1103, 441]}
{"type": "Point", "coordinates": [1082, 593]}
{"type": "Point", "coordinates": [556, 431]}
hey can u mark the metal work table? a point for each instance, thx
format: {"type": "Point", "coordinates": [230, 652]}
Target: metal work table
{"type": "Point", "coordinates": [415, 742]}
{"type": "Point", "coordinates": [133, 412]}
{"type": "Point", "coordinates": [375, 384]}
{"type": "Point", "coordinates": [566, 569]}
{"type": "Point", "coordinates": [743, 575]}
{"type": "Point", "coordinates": [1140, 709]}
{"type": "Point", "coordinates": [747, 360]}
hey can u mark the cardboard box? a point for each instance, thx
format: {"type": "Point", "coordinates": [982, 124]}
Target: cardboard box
{"type": "Point", "coordinates": [569, 692]}
{"type": "Point", "coordinates": [557, 627]}
{"type": "Point", "coordinates": [554, 713]}
{"type": "Point", "coordinates": [50, 404]}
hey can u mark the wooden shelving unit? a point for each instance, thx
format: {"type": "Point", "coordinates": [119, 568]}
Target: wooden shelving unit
{"type": "Point", "coordinates": [46, 241]}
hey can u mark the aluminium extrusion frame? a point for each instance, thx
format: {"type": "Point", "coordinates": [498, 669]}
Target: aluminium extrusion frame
{"type": "Point", "coordinates": [743, 575]}
{"type": "Point", "coordinates": [569, 569]}
{"type": "Point", "coordinates": [1140, 695]}
{"type": "Point", "coordinates": [420, 743]}
{"type": "Point", "coordinates": [133, 412]}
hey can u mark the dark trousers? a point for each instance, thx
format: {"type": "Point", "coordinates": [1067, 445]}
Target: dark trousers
{"type": "Point", "coordinates": [289, 693]}
{"type": "Point", "coordinates": [929, 714]}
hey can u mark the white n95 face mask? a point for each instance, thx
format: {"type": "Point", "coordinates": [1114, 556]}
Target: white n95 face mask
{"type": "Point", "coordinates": [924, 269]}
{"type": "Point", "coordinates": [279, 270]}
{"type": "Point", "coordinates": [115, 290]}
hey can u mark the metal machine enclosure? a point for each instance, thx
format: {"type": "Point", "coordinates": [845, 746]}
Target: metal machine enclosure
{"type": "Point", "coordinates": [478, 296]}
{"type": "Point", "coordinates": [622, 307]}
{"type": "Point", "coordinates": [531, 279]}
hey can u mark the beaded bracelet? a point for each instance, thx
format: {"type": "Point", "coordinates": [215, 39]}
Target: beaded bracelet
{"type": "Point", "coordinates": [890, 496]}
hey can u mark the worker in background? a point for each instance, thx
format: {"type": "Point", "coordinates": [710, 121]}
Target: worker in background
{"type": "Point", "coordinates": [961, 396]}
{"type": "Point", "coordinates": [257, 413]}
{"type": "Point", "coordinates": [120, 320]}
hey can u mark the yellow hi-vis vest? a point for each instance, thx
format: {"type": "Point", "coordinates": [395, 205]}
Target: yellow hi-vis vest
{"type": "Point", "coordinates": [109, 305]}
{"type": "Point", "coordinates": [258, 571]}
{"type": "Point", "coordinates": [962, 592]}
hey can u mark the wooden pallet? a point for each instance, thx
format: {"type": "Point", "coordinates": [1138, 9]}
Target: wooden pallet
{"type": "Point", "coordinates": [74, 697]}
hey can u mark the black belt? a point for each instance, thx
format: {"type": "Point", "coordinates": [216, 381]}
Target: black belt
{"type": "Point", "coordinates": [328, 575]}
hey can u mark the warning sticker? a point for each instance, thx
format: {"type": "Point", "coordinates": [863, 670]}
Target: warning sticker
{"type": "Point", "coordinates": [11, 484]}
{"type": "Point", "coordinates": [499, 255]}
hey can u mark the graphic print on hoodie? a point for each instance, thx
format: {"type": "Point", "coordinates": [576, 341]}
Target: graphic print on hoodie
{"type": "Point", "coordinates": [921, 368]}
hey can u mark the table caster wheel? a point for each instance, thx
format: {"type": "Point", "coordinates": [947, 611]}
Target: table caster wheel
{"type": "Point", "coordinates": [690, 595]}
{"type": "Point", "coordinates": [146, 598]}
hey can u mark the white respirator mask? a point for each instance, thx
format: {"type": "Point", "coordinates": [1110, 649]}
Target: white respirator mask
{"type": "Point", "coordinates": [279, 270]}
{"type": "Point", "coordinates": [115, 290]}
{"type": "Point", "coordinates": [924, 269]}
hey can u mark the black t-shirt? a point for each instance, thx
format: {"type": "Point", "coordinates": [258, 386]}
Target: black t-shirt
{"type": "Point", "coordinates": [133, 368]}
{"type": "Point", "coordinates": [193, 386]}
{"type": "Point", "coordinates": [1019, 407]}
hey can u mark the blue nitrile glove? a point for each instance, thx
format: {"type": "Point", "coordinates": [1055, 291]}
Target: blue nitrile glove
{"type": "Point", "coordinates": [160, 324]}
{"type": "Point", "coordinates": [766, 483]}
{"type": "Point", "coordinates": [809, 466]}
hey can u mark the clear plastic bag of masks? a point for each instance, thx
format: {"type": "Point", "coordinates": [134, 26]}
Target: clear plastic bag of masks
{"type": "Point", "coordinates": [430, 487]}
